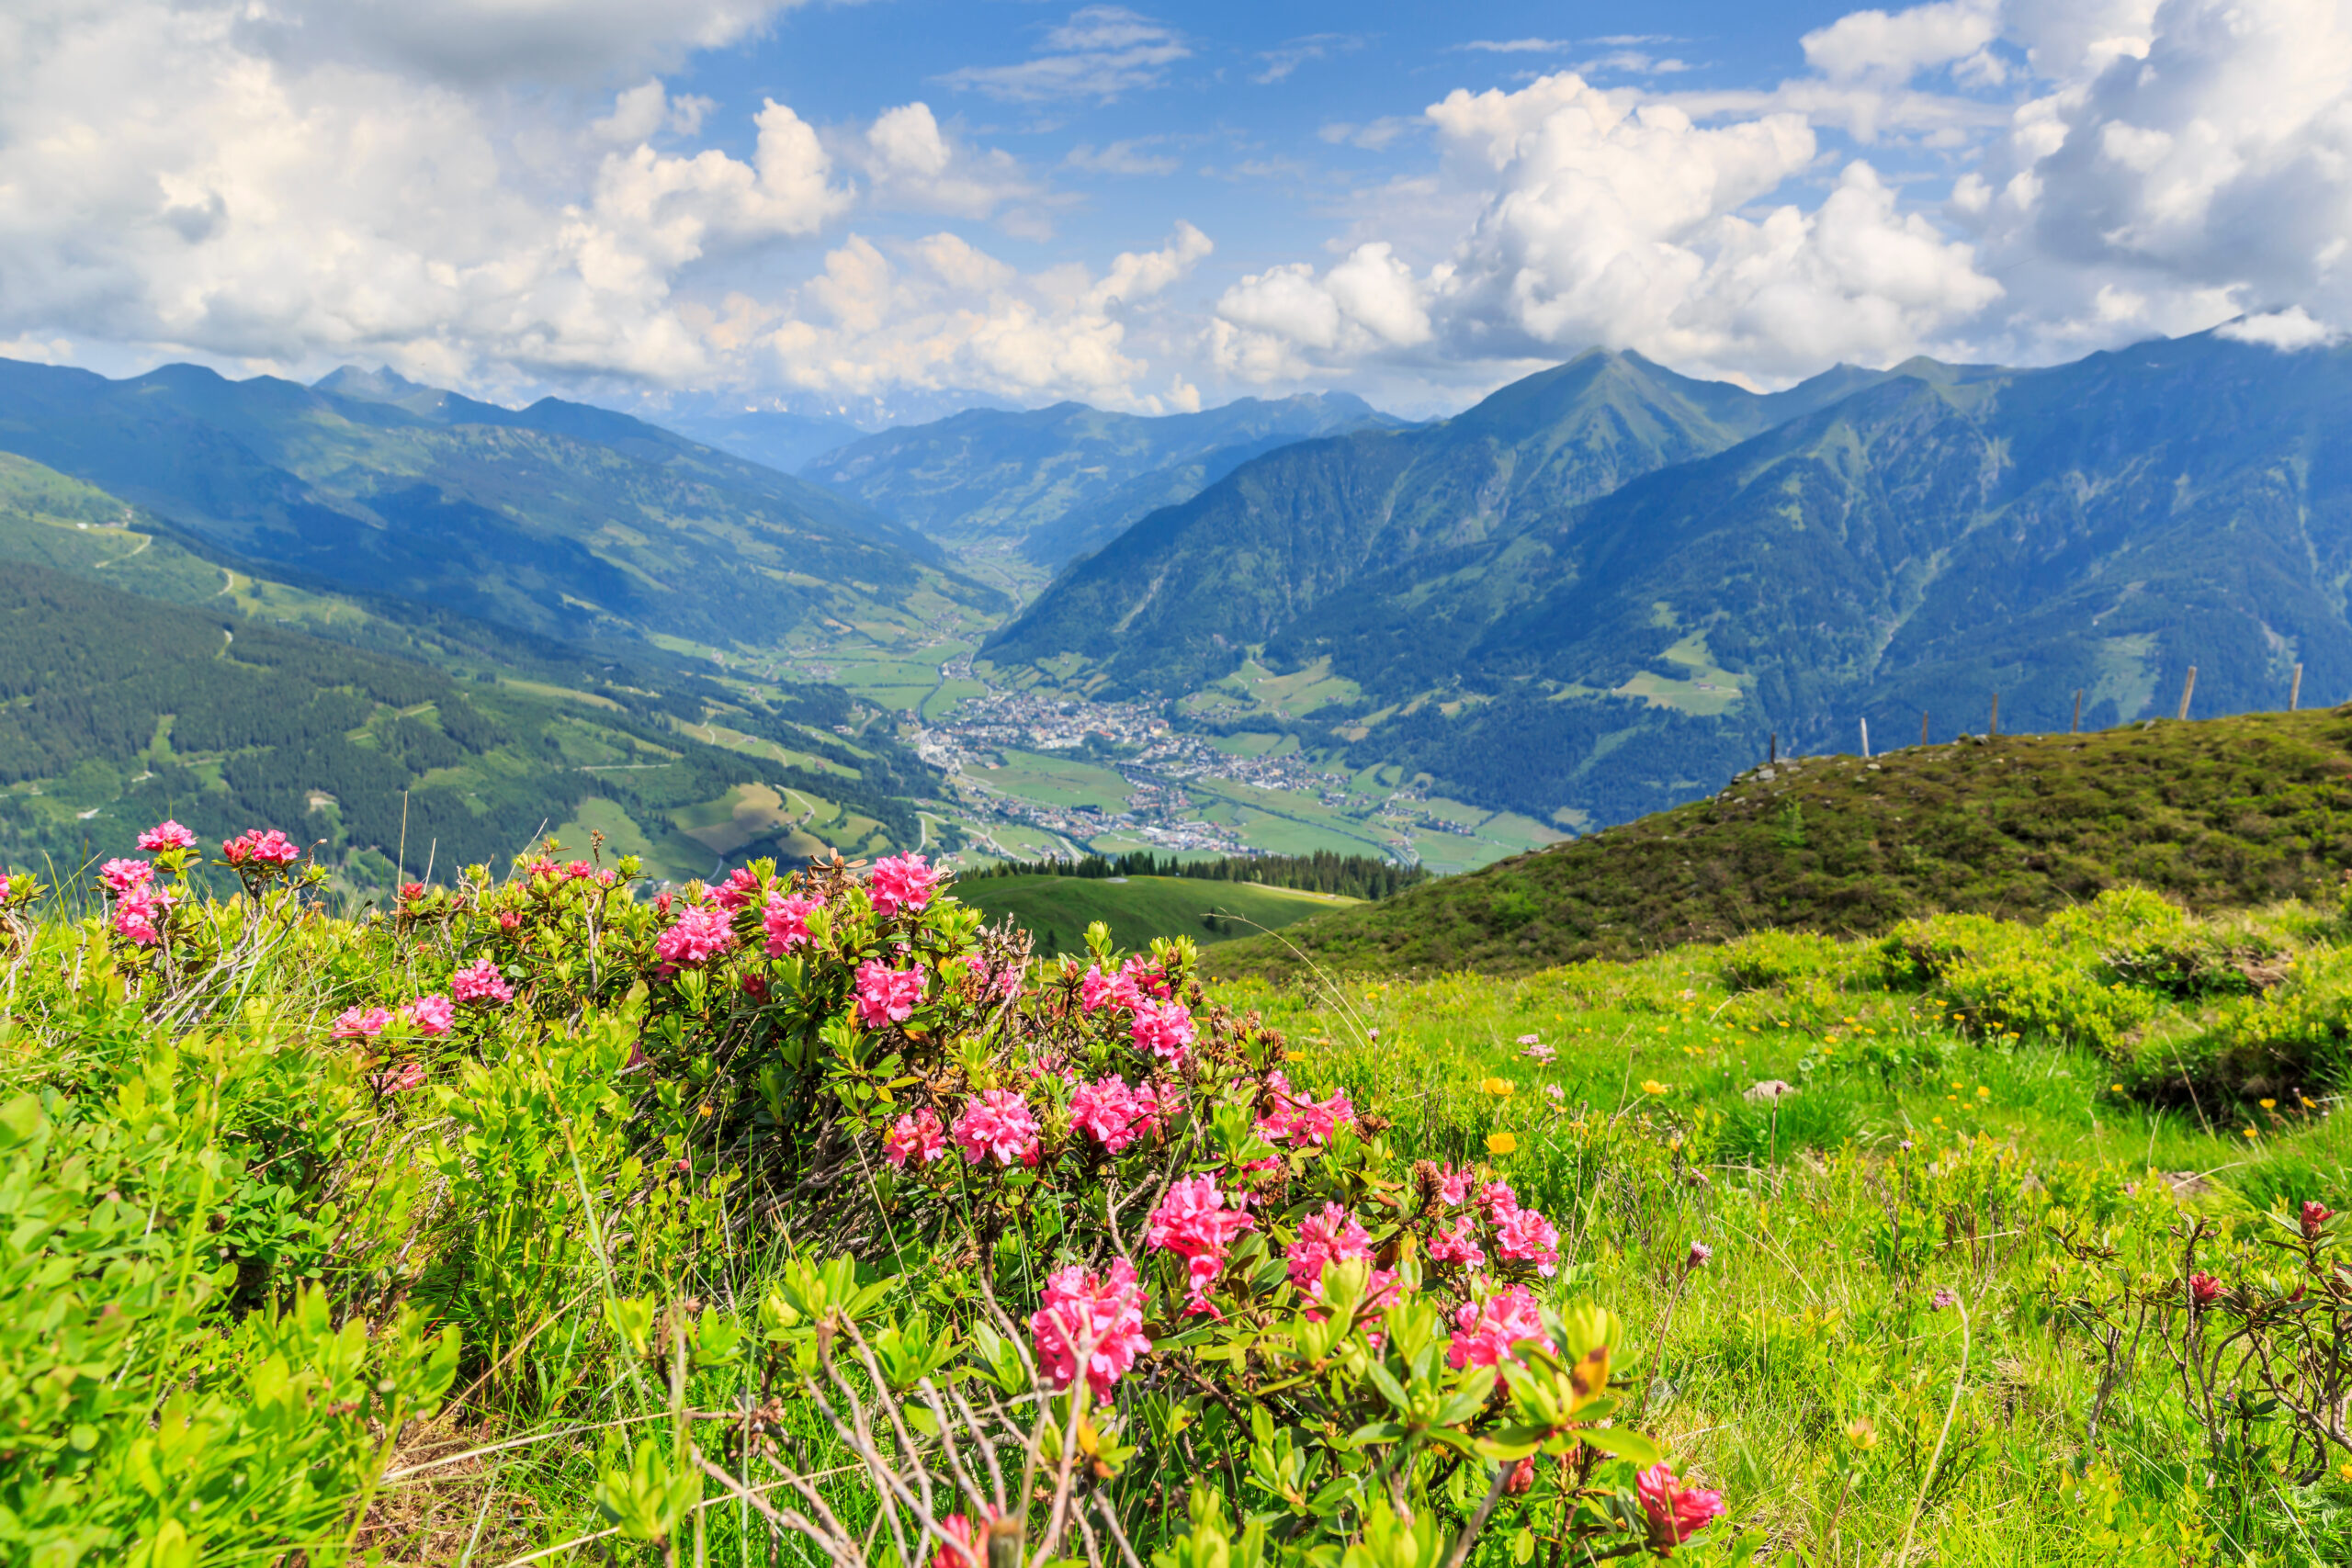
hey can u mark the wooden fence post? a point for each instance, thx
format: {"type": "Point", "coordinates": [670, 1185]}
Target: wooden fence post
{"type": "Point", "coordinates": [2188, 690]}
{"type": "Point", "coordinates": [2078, 728]}
{"type": "Point", "coordinates": [1772, 750]}
{"type": "Point", "coordinates": [1923, 726]}
{"type": "Point", "coordinates": [2295, 692]}
{"type": "Point", "coordinates": [1995, 728]}
{"type": "Point", "coordinates": [1866, 740]}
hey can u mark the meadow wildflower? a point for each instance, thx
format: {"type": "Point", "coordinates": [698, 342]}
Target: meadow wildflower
{"type": "Point", "coordinates": [1093, 1319]}
{"type": "Point", "coordinates": [901, 882]}
{"type": "Point", "coordinates": [1675, 1512]}
{"type": "Point", "coordinates": [996, 1124]}
{"type": "Point", "coordinates": [166, 835]}
{"type": "Point", "coordinates": [1195, 1222]}
{"type": "Point", "coordinates": [885, 995]}
{"type": "Point", "coordinates": [914, 1136]}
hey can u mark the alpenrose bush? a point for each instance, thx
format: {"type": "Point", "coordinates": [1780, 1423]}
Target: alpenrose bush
{"type": "Point", "coordinates": [1069, 1266]}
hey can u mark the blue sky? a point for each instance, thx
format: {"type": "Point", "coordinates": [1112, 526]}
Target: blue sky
{"type": "Point", "coordinates": [893, 209]}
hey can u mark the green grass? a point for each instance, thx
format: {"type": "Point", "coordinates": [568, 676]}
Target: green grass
{"type": "Point", "coordinates": [1058, 909]}
{"type": "Point", "coordinates": [2218, 813]}
{"type": "Point", "coordinates": [1813, 1314]}
{"type": "Point", "coordinates": [1057, 781]}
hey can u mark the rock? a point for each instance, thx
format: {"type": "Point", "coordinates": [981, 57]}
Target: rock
{"type": "Point", "coordinates": [2186, 1183]}
{"type": "Point", "coordinates": [1769, 1091]}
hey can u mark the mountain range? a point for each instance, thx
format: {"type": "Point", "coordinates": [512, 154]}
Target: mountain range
{"type": "Point", "coordinates": [1608, 587]}
{"type": "Point", "coordinates": [560, 519]}
{"type": "Point", "coordinates": [1058, 482]}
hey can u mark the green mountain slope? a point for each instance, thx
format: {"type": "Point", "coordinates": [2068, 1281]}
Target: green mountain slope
{"type": "Point", "coordinates": [117, 710]}
{"type": "Point", "coordinates": [998, 477]}
{"type": "Point", "coordinates": [558, 519]}
{"type": "Point", "coordinates": [1604, 604]}
{"type": "Point", "coordinates": [2220, 813]}
{"type": "Point", "coordinates": [1058, 909]}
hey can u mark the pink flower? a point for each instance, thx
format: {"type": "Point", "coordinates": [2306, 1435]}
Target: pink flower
{"type": "Point", "coordinates": [432, 1015]}
{"type": "Point", "coordinates": [1487, 1333]}
{"type": "Point", "coordinates": [400, 1079]}
{"type": "Point", "coordinates": [1094, 991]}
{"type": "Point", "coordinates": [1301, 1120]}
{"type": "Point", "coordinates": [1091, 1320]}
{"type": "Point", "coordinates": [1459, 1245]}
{"type": "Point", "coordinates": [1525, 1236]}
{"type": "Point", "coordinates": [1142, 976]}
{"type": "Point", "coordinates": [1335, 1235]}
{"type": "Point", "coordinates": [968, 1547]}
{"type": "Point", "coordinates": [1165, 1030]}
{"type": "Point", "coordinates": [361, 1023]}
{"type": "Point", "coordinates": [136, 915]}
{"type": "Point", "coordinates": [887, 996]}
{"type": "Point", "coordinates": [2313, 1215]}
{"type": "Point", "coordinates": [121, 875]}
{"type": "Point", "coordinates": [697, 937]}
{"type": "Point", "coordinates": [1497, 1200]}
{"type": "Point", "coordinates": [1114, 1114]}
{"type": "Point", "coordinates": [1676, 1512]}
{"type": "Point", "coordinates": [1536, 1051]}
{"type": "Point", "coordinates": [166, 835]}
{"type": "Point", "coordinates": [901, 882]}
{"type": "Point", "coordinates": [1194, 1223]}
{"type": "Point", "coordinates": [999, 1123]}
{"type": "Point", "coordinates": [1453, 1186]}
{"type": "Point", "coordinates": [254, 847]}
{"type": "Point", "coordinates": [1698, 1255]}
{"type": "Point", "coordinates": [915, 1136]}
{"type": "Point", "coordinates": [481, 983]}
{"type": "Point", "coordinates": [786, 919]}
{"type": "Point", "coordinates": [578, 871]}
{"type": "Point", "coordinates": [2204, 1290]}
{"type": "Point", "coordinates": [740, 888]}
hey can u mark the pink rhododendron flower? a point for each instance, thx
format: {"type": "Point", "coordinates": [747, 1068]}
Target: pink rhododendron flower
{"type": "Point", "coordinates": [785, 916]}
{"type": "Point", "coordinates": [578, 871]}
{"type": "Point", "coordinates": [481, 983]}
{"type": "Point", "coordinates": [1094, 991]}
{"type": "Point", "coordinates": [361, 1023]}
{"type": "Point", "coordinates": [1459, 1245]}
{"type": "Point", "coordinates": [1113, 1113]}
{"type": "Point", "coordinates": [167, 835]}
{"type": "Point", "coordinates": [1300, 1120]}
{"type": "Point", "coordinates": [432, 1015]}
{"type": "Point", "coordinates": [968, 1545]}
{"type": "Point", "coordinates": [1166, 1031]}
{"type": "Point", "coordinates": [999, 1123]}
{"type": "Point", "coordinates": [1091, 1320]}
{"type": "Point", "coordinates": [2313, 1215]}
{"type": "Point", "coordinates": [914, 1136]}
{"type": "Point", "coordinates": [122, 875]}
{"type": "Point", "coordinates": [697, 937]}
{"type": "Point", "coordinates": [255, 847]}
{"type": "Point", "coordinates": [1525, 1236]}
{"type": "Point", "coordinates": [901, 882]}
{"type": "Point", "coordinates": [740, 888]}
{"type": "Point", "coordinates": [1675, 1512]}
{"type": "Point", "coordinates": [2204, 1290]}
{"type": "Point", "coordinates": [400, 1079]}
{"type": "Point", "coordinates": [1487, 1333]}
{"type": "Point", "coordinates": [1498, 1200]}
{"type": "Point", "coordinates": [1335, 1235]}
{"type": "Point", "coordinates": [1142, 976]}
{"type": "Point", "coordinates": [136, 916]}
{"type": "Point", "coordinates": [885, 995]}
{"type": "Point", "coordinates": [1194, 1223]}
{"type": "Point", "coordinates": [1453, 1186]}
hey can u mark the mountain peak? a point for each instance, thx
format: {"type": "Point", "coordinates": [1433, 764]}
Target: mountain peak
{"type": "Point", "coordinates": [383, 384]}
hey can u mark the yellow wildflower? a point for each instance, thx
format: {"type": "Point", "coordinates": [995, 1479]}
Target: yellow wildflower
{"type": "Point", "coordinates": [1500, 1144]}
{"type": "Point", "coordinates": [2268, 1104]}
{"type": "Point", "coordinates": [1651, 1086]}
{"type": "Point", "coordinates": [1499, 1087]}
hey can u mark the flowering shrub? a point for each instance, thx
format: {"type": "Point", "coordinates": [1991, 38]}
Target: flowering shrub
{"type": "Point", "coordinates": [1155, 1245]}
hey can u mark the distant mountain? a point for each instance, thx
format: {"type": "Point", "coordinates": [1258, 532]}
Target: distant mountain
{"type": "Point", "coordinates": [782, 441]}
{"type": "Point", "coordinates": [559, 519]}
{"type": "Point", "coordinates": [1001, 477]}
{"type": "Point", "coordinates": [1598, 591]}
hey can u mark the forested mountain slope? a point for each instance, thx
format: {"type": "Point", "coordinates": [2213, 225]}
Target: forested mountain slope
{"type": "Point", "coordinates": [1003, 476]}
{"type": "Point", "coordinates": [1605, 603]}
{"type": "Point", "coordinates": [560, 518]}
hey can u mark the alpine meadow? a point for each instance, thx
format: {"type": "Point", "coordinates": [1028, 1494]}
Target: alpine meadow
{"type": "Point", "coordinates": [944, 784]}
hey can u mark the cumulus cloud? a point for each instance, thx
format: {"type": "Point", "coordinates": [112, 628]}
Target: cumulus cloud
{"type": "Point", "coordinates": [173, 181]}
{"type": "Point", "coordinates": [2286, 331]}
{"type": "Point", "coordinates": [1606, 219]}
{"type": "Point", "coordinates": [1101, 52]}
{"type": "Point", "coordinates": [1900, 46]}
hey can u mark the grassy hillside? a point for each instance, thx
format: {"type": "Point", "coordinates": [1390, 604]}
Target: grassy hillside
{"type": "Point", "coordinates": [2218, 813]}
{"type": "Point", "coordinates": [1058, 909]}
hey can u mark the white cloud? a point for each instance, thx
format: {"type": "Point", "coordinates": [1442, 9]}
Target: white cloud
{"type": "Point", "coordinates": [1122, 158]}
{"type": "Point", "coordinates": [1516, 45]}
{"type": "Point", "coordinates": [939, 314]}
{"type": "Point", "coordinates": [1900, 46]}
{"type": "Point", "coordinates": [1375, 136]}
{"type": "Point", "coordinates": [1101, 52]}
{"type": "Point", "coordinates": [2286, 331]}
{"type": "Point", "coordinates": [1276, 64]}
{"type": "Point", "coordinates": [474, 43]}
{"type": "Point", "coordinates": [174, 182]}
{"type": "Point", "coordinates": [1605, 218]}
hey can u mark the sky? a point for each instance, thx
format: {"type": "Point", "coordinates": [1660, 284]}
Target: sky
{"type": "Point", "coordinates": [891, 209]}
